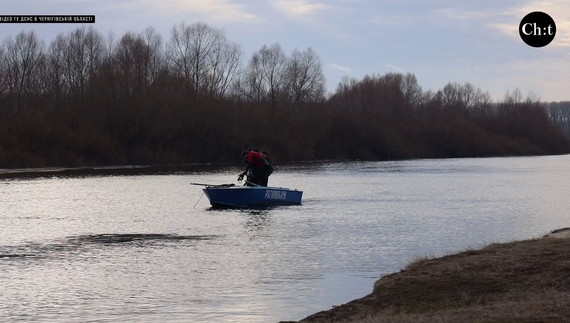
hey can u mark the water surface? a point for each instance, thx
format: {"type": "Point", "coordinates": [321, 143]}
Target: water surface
{"type": "Point", "coordinates": [148, 248]}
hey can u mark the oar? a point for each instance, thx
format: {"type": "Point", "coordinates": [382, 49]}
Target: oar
{"type": "Point", "coordinates": [252, 183]}
{"type": "Point", "coordinates": [213, 185]}
{"type": "Point", "coordinates": [202, 184]}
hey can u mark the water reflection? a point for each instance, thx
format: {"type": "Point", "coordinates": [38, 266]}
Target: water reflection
{"type": "Point", "coordinates": [83, 243]}
{"type": "Point", "coordinates": [257, 220]}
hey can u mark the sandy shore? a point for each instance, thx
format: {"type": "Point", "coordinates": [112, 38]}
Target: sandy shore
{"type": "Point", "coordinates": [520, 281]}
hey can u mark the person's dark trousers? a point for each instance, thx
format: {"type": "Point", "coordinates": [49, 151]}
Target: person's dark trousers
{"type": "Point", "coordinates": [265, 177]}
{"type": "Point", "coordinates": [264, 181]}
{"type": "Point", "coordinates": [258, 177]}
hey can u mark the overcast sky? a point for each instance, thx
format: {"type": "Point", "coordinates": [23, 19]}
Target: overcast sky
{"type": "Point", "coordinates": [439, 41]}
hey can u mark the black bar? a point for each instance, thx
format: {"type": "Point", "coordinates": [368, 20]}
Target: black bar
{"type": "Point", "coordinates": [34, 19]}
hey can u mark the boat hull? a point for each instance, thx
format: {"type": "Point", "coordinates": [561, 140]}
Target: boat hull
{"type": "Point", "coordinates": [247, 196]}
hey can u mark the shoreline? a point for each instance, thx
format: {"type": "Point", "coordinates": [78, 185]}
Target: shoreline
{"type": "Point", "coordinates": [130, 169]}
{"type": "Point", "coordinates": [519, 281]}
{"type": "Point", "coordinates": [144, 169]}
{"type": "Point", "coordinates": [104, 170]}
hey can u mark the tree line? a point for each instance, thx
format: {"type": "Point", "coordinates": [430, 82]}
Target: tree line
{"type": "Point", "coordinates": [86, 99]}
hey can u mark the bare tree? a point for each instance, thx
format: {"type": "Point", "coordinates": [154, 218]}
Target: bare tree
{"type": "Point", "coordinates": [412, 91]}
{"type": "Point", "coordinates": [138, 60]}
{"type": "Point", "coordinates": [345, 97]}
{"type": "Point", "coordinates": [154, 52]}
{"type": "Point", "coordinates": [483, 105]}
{"type": "Point", "coordinates": [226, 62]}
{"type": "Point", "coordinates": [451, 96]}
{"type": "Point", "coordinates": [265, 78]}
{"type": "Point", "coordinates": [560, 114]}
{"type": "Point", "coordinates": [20, 61]}
{"type": "Point", "coordinates": [135, 62]}
{"type": "Point", "coordinates": [466, 99]}
{"type": "Point", "coordinates": [514, 97]}
{"type": "Point", "coordinates": [55, 67]}
{"type": "Point", "coordinates": [79, 56]}
{"type": "Point", "coordinates": [305, 77]}
{"type": "Point", "coordinates": [203, 56]}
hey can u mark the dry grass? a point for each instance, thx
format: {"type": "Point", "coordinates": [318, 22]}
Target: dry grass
{"type": "Point", "coordinates": [522, 281]}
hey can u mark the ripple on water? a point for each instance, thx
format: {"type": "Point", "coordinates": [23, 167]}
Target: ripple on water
{"type": "Point", "coordinates": [78, 243]}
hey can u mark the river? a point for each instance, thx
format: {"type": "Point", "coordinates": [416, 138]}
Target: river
{"type": "Point", "coordinates": [149, 248]}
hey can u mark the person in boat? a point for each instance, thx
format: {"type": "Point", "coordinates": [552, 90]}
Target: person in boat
{"type": "Point", "coordinates": [256, 167]}
{"type": "Point", "coordinates": [269, 167]}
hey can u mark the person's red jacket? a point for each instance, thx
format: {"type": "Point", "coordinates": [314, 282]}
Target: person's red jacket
{"type": "Point", "coordinates": [255, 159]}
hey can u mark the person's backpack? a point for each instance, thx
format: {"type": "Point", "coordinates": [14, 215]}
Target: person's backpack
{"type": "Point", "coordinates": [269, 165]}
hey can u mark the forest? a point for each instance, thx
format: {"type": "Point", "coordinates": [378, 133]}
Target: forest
{"type": "Point", "coordinates": [85, 99]}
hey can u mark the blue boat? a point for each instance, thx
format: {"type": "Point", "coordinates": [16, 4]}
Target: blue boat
{"type": "Point", "coordinates": [230, 195]}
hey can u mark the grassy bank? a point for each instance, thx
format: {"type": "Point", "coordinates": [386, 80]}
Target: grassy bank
{"type": "Point", "coordinates": [521, 281]}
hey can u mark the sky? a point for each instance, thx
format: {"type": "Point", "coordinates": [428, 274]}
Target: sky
{"type": "Point", "coordinates": [439, 41]}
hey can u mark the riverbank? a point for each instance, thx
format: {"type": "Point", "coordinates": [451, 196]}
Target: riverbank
{"type": "Point", "coordinates": [520, 281]}
{"type": "Point", "coordinates": [134, 169]}
{"type": "Point", "coordinates": [108, 170]}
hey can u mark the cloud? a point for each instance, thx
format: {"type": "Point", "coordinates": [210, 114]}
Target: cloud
{"type": "Point", "coordinates": [511, 30]}
{"type": "Point", "coordinates": [298, 8]}
{"type": "Point", "coordinates": [560, 8]}
{"type": "Point", "coordinates": [211, 10]}
{"type": "Point", "coordinates": [394, 68]}
{"type": "Point", "coordinates": [455, 14]}
{"type": "Point", "coordinates": [506, 21]}
{"type": "Point", "coordinates": [470, 19]}
{"type": "Point", "coordinates": [340, 68]}
{"type": "Point", "coordinates": [557, 9]}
